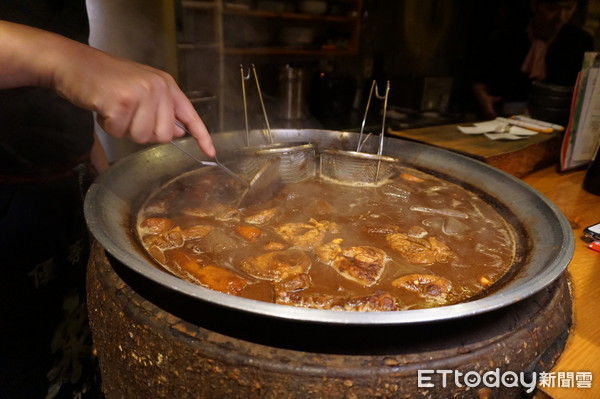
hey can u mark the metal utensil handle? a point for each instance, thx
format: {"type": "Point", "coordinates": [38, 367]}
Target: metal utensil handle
{"type": "Point", "coordinates": [362, 126]}
{"type": "Point", "coordinates": [362, 143]}
{"type": "Point", "coordinates": [385, 102]}
{"type": "Point", "coordinates": [206, 163]}
{"type": "Point", "coordinates": [374, 88]}
{"type": "Point", "coordinates": [244, 78]}
{"type": "Point", "coordinates": [189, 154]}
{"type": "Point", "coordinates": [262, 104]}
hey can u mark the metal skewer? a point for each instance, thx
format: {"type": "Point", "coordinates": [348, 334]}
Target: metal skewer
{"type": "Point", "coordinates": [206, 163]}
{"type": "Point", "coordinates": [261, 186]}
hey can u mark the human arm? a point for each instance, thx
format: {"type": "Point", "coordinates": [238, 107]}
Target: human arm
{"type": "Point", "coordinates": [130, 99]}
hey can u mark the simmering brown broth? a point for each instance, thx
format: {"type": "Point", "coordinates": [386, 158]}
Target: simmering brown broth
{"type": "Point", "coordinates": [416, 241]}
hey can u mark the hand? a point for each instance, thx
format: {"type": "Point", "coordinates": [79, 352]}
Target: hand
{"type": "Point", "coordinates": [130, 99]}
{"type": "Point", "coordinates": [486, 101]}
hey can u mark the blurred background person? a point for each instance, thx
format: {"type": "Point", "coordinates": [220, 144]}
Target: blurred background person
{"type": "Point", "coordinates": [544, 47]}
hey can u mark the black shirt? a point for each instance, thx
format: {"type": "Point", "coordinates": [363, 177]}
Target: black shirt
{"type": "Point", "coordinates": [41, 133]}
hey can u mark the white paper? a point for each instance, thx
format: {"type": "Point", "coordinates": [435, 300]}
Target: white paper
{"type": "Point", "coordinates": [495, 126]}
{"type": "Point", "coordinates": [503, 136]}
{"type": "Point", "coordinates": [481, 127]}
{"type": "Point", "coordinates": [472, 130]}
{"type": "Point", "coordinates": [521, 131]}
{"type": "Point", "coordinates": [491, 125]}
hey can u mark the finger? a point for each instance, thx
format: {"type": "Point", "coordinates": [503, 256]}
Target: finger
{"type": "Point", "coordinates": [186, 114]}
{"type": "Point", "coordinates": [200, 133]}
{"type": "Point", "coordinates": [207, 146]}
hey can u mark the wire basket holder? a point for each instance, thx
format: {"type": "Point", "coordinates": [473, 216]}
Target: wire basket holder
{"type": "Point", "coordinates": [358, 168]}
{"type": "Point", "coordinates": [246, 77]}
{"type": "Point", "coordinates": [374, 89]}
{"type": "Point", "coordinates": [296, 160]}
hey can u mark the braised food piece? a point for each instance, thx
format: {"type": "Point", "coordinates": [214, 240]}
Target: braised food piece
{"type": "Point", "coordinates": [306, 235]}
{"type": "Point", "coordinates": [220, 279]}
{"type": "Point", "coordinates": [169, 239]}
{"type": "Point", "coordinates": [486, 282]}
{"type": "Point", "coordinates": [217, 241]}
{"type": "Point", "coordinates": [363, 264]}
{"type": "Point", "coordinates": [155, 225]}
{"type": "Point", "coordinates": [295, 283]}
{"type": "Point", "coordinates": [262, 217]}
{"type": "Point", "coordinates": [218, 211]}
{"type": "Point", "coordinates": [380, 229]}
{"type": "Point", "coordinates": [379, 301]}
{"type": "Point", "coordinates": [210, 276]}
{"type": "Point", "coordinates": [157, 241]}
{"type": "Point", "coordinates": [157, 254]}
{"type": "Point", "coordinates": [196, 232]}
{"type": "Point", "coordinates": [411, 178]}
{"type": "Point", "coordinates": [419, 250]}
{"type": "Point", "coordinates": [274, 246]}
{"type": "Point", "coordinates": [277, 265]}
{"type": "Point", "coordinates": [248, 233]}
{"type": "Point", "coordinates": [426, 286]}
{"type": "Point", "coordinates": [328, 252]}
{"type": "Point", "coordinates": [416, 231]}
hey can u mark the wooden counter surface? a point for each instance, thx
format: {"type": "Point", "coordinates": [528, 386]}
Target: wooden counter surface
{"type": "Point", "coordinates": [517, 157]}
{"type": "Point", "coordinates": [582, 352]}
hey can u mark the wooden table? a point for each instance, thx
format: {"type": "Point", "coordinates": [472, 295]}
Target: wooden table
{"type": "Point", "coordinates": [518, 157]}
{"type": "Point", "coordinates": [582, 353]}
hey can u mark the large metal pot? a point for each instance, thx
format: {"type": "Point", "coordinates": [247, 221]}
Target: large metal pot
{"type": "Point", "coordinates": [545, 238]}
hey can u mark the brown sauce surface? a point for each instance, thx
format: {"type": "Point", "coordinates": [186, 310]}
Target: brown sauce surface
{"type": "Point", "coordinates": [453, 244]}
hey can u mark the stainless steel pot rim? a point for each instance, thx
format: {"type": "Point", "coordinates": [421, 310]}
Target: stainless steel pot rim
{"type": "Point", "coordinates": [109, 199]}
